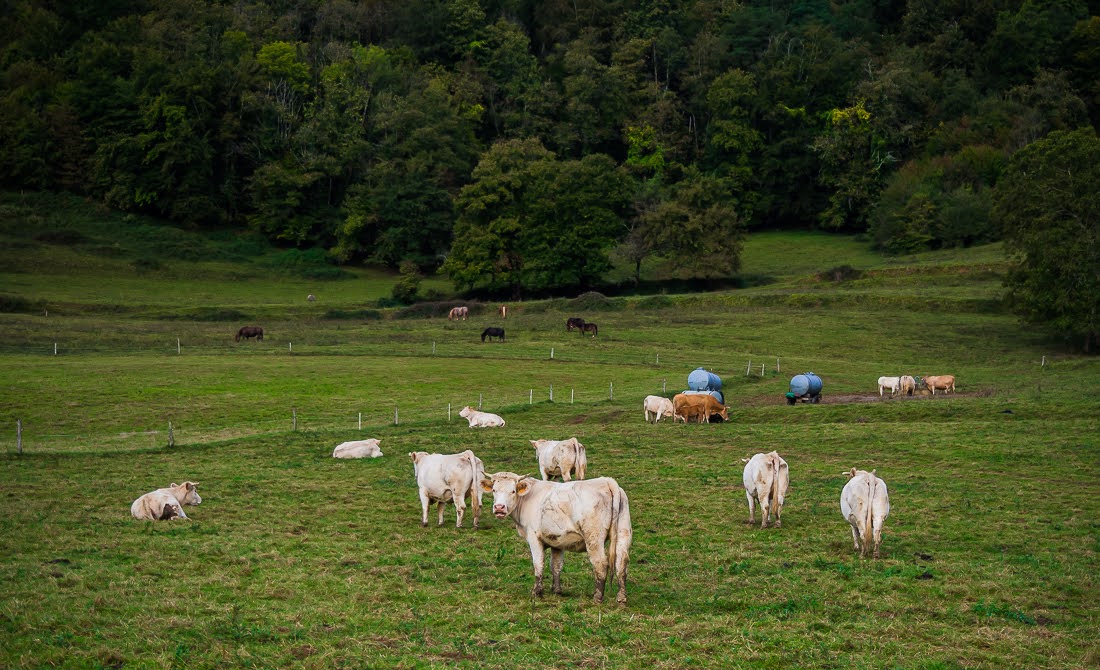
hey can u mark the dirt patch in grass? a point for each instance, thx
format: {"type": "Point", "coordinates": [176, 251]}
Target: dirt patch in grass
{"type": "Point", "coordinates": [858, 398]}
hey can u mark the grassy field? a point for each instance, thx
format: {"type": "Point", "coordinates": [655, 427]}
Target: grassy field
{"type": "Point", "coordinates": [295, 559]}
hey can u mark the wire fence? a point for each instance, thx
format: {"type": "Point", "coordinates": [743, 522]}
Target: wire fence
{"type": "Point", "coordinates": [29, 437]}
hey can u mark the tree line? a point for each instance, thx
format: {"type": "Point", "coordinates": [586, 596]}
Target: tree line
{"type": "Point", "coordinates": [525, 145]}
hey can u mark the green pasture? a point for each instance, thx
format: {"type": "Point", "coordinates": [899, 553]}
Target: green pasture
{"type": "Point", "coordinates": [295, 559]}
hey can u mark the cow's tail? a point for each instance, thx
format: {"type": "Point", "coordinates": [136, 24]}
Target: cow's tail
{"type": "Point", "coordinates": [867, 535]}
{"type": "Point", "coordinates": [475, 483]}
{"type": "Point", "coordinates": [617, 501]}
{"type": "Point", "coordinates": [580, 462]}
{"type": "Point", "coordinates": [773, 494]}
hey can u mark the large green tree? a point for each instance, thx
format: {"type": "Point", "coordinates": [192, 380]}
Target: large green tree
{"type": "Point", "coordinates": [1049, 205]}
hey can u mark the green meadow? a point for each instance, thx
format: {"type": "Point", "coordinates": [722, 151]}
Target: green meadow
{"type": "Point", "coordinates": [296, 559]}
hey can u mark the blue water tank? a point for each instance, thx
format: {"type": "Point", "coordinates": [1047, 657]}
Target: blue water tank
{"type": "Point", "coordinates": [717, 395]}
{"type": "Point", "coordinates": [806, 384]}
{"type": "Point", "coordinates": [701, 380]}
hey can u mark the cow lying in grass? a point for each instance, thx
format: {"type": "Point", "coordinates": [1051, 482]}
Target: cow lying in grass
{"type": "Point", "coordinates": [572, 516]}
{"type": "Point", "coordinates": [165, 504]}
{"type": "Point", "coordinates": [480, 419]}
{"type": "Point", "coordinates": [358, 449]}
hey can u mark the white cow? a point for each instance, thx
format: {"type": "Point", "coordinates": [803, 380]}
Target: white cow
{"type": "Point", "coordinates": [659, 406]}
{"type": "Point", "coordinates": [571, 516]}
{"type": "Point", "coordinates": [891, 383]}
{"type": "Point", "coordinates": [766, 479]}
{"type": "Point", "coordinates": [357, 449]}
{"type": "Point", "coordinates": [164, 504]}
{"type": "Point", "coordinates": [444, 478]}
{"type": "Point", "coordinates": [908, 385]}
{"type": "Point", "coordinates": [480, 419]}
{"type": "Point", "coordinates": [564, 458]}
{"type": "Point", "coordinates": [865, 504]}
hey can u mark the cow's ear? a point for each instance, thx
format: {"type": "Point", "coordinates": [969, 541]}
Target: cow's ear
{"type": "Point", "coordinates": [535, 444]}
{"type": "Point", "coordinates": [190, 485]}
{"type": "Point", "coordinates": [523, 486]}
{"type": "Point", "coordinates": [487, 485]}
{"type": "Point", "coordinates": [412, 455]}
{"type": "Point", "coordinates": [173, 485]}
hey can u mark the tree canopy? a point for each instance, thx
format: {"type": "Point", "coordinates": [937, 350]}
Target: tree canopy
{"type": "Point", "coordinates": [357, 127]}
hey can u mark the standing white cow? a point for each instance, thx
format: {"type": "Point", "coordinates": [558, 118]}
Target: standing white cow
{"type": "Point", "coordinates": [480, 419]}
{"type": "Point", "coordinates": [564, 458]}
{"type": "Point", "coordinates": [358, 449]}
{"type": "Point", "coordinates": [891, 383]}
{"type": "Point", "coordinates": [659, 406]}
{"type": "Point", "coordinates": [908, 385]}
{"type": "Point", "coordinates": [444, 478]}
{"type": "Point", "coordinates": [865, 504]}
{"type": "Point", "coordinates": [766, 479]}
{"type": "Point", "coordinates": [572, 516]}
{"type": "Point", "coordinates": [165, 504]}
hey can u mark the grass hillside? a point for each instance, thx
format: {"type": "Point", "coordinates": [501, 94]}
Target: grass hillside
{"type": "Point", "coordinates": [295, 559]}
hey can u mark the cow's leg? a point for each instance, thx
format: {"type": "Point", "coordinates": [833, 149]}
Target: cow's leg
{"type": "Point", "coordinates": [566, 468]}
{"type": "Point", "coordinates": [557, 561]}
{"type": "Point", "coordinates": [544, 473]}
{"type": "Point", "coordinates": [424, 505]}
{"type": "Point", "coordinates": [855, 535]}
{"type": "Point", "coordinates": [460, 510]}
{"type": "Point", "coordinates": [778, 507]}
{"type": "Point", "coordinates": [752, 508]}
{"type": "Point", "coordinates": [765, 509]}
{"type": "Point", "coordinates": [598, 556]}
{"type": "Point", "coordinates": [440, 506]}
{"type": "Point", "coordinates": [538, 559]}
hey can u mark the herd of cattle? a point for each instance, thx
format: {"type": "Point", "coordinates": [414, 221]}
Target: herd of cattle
{"type": "Point", "coordinates": [908, 385]}
{"type": "Point", "coordinates": [575, 514]}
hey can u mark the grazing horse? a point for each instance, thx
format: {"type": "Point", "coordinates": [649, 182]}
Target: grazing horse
{"type": "Point", "coordinates": [457, 313]}
{"type": "Point", "coordinates": [503, 311]}
{"type": "Point", "coordinates": [574, 323]}
{"type": "Point", "coordinates": [249, 331]}
{"type": "Point", "coordinates": [589, 328]}
{"type": "Point", "coordinates": [491, 333]}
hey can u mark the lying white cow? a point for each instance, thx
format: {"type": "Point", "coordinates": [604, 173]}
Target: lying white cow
{"type": "Point", "coordinates": [564, 458]}
{"type": "Point", "coordinates": [891, 383]}
{"type": "Point", "coordinates": [444, 478]}
{"type": "Point", "coordinates": [164, 504]}
{"type": "Point", "coordinates": [659, 406]}
{"type": "Point", "coordinates": [480, 419]}
{"type": "Point", "coordinates": [766, 480]}
{"type": "Point", "coordinates": [357, 449]}
{"type": "Point", "coordinates": [572, 516]}
{"type": "Point", "coordinates": [865, 504]}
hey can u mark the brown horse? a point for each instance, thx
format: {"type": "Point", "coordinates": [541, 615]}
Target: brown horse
{"type": "Point", "coordinates": [250, 331]}
{"type": "Point", "coordinates": [574, 323]}
{"type": "Point", "coordinates": [589, 328]}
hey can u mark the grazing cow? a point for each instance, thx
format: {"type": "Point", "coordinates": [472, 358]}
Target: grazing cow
{"type": "Point", "coordinates": [248, 332]}
{"type": "Point", "coordinates": [492, 332]}
{"type": "Point", "coordinates": [766, 479]}
{"type": "Point", "coordinates": [660, 406]}
{"type": "Point", "coordinates": [865, 504]}
{"type": "Point", "coordinates": [943, 382]}
{"type": "Point", "coordinates": [311, 298]}
{"type": "Point", "coordinates": [165, 504]}
{"type": "Point", "coordinates": [357, 449]}
{"type": "Point", "coordinates": [574, 323]}
{"type": "Point", "coordinates": [444, 478]}
{"type": "Point", "coordinates": [908, 385]}
{"type": "Point", "coordinates": [700, 405]}
{"type": "Point", "coordinates": [572, 516]}
{"type": "Point", "coordinates": [891, 383]}
{"type": "Point", "coordinates": [503, 311]}
{"type": "Point", "coordinates": [561, 458]}
{"type": "Point", "coordinates": [457, 313]}
{"type": "Point", "coordinates": [480, 419]}
{"type": "Point", "coordinates": [590, 327]}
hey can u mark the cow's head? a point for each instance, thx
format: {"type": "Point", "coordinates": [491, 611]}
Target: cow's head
{"type": "Point", "coordinates": [416, 456]}
{"type": "Point", "coordinates": [507, 488]}
{"type": "Point", "coordinates": [190, 495]}
{"type": "Point", "coordinates": [537, 443]}
{"type": "Point", "coordinates": [725, 414]}
{"type": "Point", "coordinates": [465, 411]}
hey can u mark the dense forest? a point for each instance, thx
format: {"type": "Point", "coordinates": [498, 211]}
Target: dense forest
{"type": "Point", "coordinates": [528, 144]}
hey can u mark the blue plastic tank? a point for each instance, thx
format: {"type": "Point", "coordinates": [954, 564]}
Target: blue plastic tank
{"type": "Point", "coordinates": [806, 384]}
{"type": "Point", "coordinates": [701, 380]}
